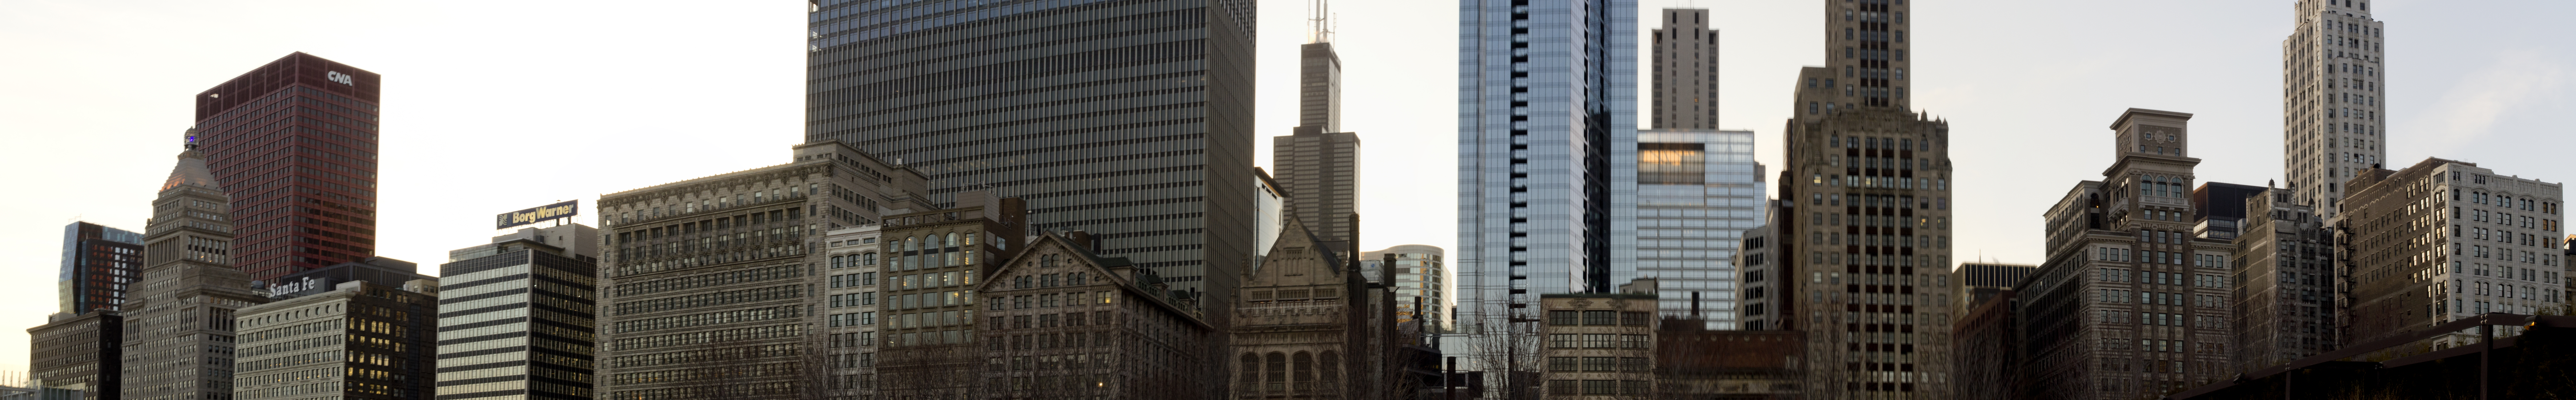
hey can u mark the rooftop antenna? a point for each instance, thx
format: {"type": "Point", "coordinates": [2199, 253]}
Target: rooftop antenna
{"type": "Point", "coordinates": [1320, 30]}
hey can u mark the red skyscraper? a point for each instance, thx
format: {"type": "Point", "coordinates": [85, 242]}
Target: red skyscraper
{"type": "Point", "coordinates": [294, 142]}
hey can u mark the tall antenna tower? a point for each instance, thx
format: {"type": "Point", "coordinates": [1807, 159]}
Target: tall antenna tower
{"type": "Point", "coordinates": [1319, 30]}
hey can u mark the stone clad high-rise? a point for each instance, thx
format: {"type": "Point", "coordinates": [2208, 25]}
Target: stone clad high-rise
{"type": "Point", "coordinates": [2331, 98]}
{"type": "Point", "coordinates": [2129, 301]}
{"type": "Point", "coordinates": [1131, 120]}
{"type": "Point", "coordinates": [178, 341]}
{"type": "Point", "coordinates": [1860, 250]}
{"type": "Point", "coordinates": [1685, 71]}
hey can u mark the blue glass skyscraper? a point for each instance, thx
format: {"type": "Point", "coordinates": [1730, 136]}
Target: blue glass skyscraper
{"type": "Point", "coordinates": [1546, 151]}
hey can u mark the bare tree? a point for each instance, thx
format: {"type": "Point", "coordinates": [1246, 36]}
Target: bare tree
{"type": "Point", "coordinates": [1505, 346]}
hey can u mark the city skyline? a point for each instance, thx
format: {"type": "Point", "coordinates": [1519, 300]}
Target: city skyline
{"type": "Point", "coordinates": [461, 135]}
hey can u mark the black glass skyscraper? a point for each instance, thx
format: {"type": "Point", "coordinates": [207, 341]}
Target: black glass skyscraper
{"type": "Point", "coordinates": [1130, 119]}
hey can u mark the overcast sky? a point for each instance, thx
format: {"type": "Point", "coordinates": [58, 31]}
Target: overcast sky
{"type": "Point", "coordinates": [491, 106]}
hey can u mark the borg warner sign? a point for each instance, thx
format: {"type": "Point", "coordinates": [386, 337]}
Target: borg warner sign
{"type": "Point", "coordinates": [535, 215]}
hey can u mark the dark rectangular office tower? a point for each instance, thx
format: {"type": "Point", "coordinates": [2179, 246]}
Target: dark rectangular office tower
{"type": "Point", "coordinates": [98, 262]}
{"type": "Point", "coordinates": [295, 142]}
{"type": "Point", "coordinates": [1130, 119]}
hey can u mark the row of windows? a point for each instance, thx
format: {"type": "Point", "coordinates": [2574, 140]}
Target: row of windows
{"type": "Point", "coordinates": [1598, 387]}
{"type": "Point", "coordinates": [1599, 317]}
{"type": "Point", "coordinates": [1073, 299]}
{"type": "Point", "coordinates": [724, 317]}
{"type": "Point", "coordinates": [1599, 364]}
{"type": "Point", "coordinates": [1598, 341]}
{"type": "Point", "coordinates": [715, 279]}
{"type": "Point", "coordinates": [705, 355]}
{"type": "Point", "coordinates": [711, 299]}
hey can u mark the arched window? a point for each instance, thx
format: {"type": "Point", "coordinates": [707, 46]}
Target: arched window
{"type": "Point", "coordinates": [1277, 378]}
{"type": "Point", "coordinates": [868, 259]}
{"type": "Point", "coordinates": [1251, 371]}
{"type": "Point", "coordinates": [951, 256]}
{"type": "Point", "coordinates": [1305, 367]}
{"type": "Point", "coordinates": [836, 261]}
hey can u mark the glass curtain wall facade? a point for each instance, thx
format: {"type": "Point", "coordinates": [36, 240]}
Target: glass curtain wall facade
{"type": "Point", "coordinates": [1697, 191]}
{"type": "Point", "coordinates": [98, 262]}
{"type": "Point", "coordinates": [1131, 119]}
{"type": "Point", "coordinates": [295, 141]}
{"type": "Point", "coordinates": [1546, 124]}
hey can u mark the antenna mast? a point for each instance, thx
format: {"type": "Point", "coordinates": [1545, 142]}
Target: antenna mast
{"type": "Point", "coordinates": [1318, 29]}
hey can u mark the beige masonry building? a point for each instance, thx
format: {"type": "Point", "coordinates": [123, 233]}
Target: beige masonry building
{"type": "Point", "coordinates": [2129, 301]}
{"type": "Point", "coordinates": [2443, 240]}
{"type": "Point", "coordinates": [712, 273]}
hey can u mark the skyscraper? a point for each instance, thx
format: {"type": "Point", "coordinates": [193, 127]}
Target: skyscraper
{"type": "Point", "coordinates": [99, 262]}
{"type": "Point", "coordinates": [1319, 165]}
{"type": "Point", "coordinates": [295, 141]}
{"type": "Point", "coordinates": [2330, 101]}
{"type": "Point", "coordinates": [1697, 191]}
{"type": "Point", "coordinates": [488, 345]}
{"type": "Point", "coordinates": [1546, 168]}
{"type": "Point", "coordinates": [1129, 119]}
{"type": "Point", "coordinates": [2129, 301]}
{"type": "Point", "coordinates": [179, 320]}
{"type": "Point", "coordinates": [1862, 222]}
{"type": "Point", "coordinates": [1685, 71]}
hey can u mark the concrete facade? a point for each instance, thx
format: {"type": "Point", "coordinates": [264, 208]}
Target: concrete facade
{"type": "Point", "coordinates": [2443, 240]}
{"type": "Point", "coordinates": [178, 341]}
{"type": "Point", "coordinates": [2129, 302]}
{"type": "Point", "coordinates": [355, 340]}
{"type": "Point", "coordinates": [519, 317]}
{"type": "Point", "coordinates": [2331, 101]}
{"type": "Point", "coordinates": [1684, 72]}
{"type": "Point", "coordinates": [2282, 283]}
{"type": "Point", "coordinates": [723, 263]}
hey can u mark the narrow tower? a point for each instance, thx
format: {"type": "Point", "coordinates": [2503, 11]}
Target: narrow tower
{"type": "Point", "coordinates": [1319, 165]}
{"type": "Point", "coordinates": [2330, 101]}
{"type": "Point", "coordinates": [1685, 71]}
{"type": "Point", "coordinates": [1862, 220]}
{"type": "Point", "coordinates": [179, 322]}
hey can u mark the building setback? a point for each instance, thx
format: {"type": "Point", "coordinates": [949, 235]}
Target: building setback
{"type": "Point", "coordinates": [1697, 191]}
{"type": "Point", "coordinates": [1319, 164]}
{"type": "Point", "coordinates": [2282, 283]}
{"type": "Point", "coordinates": [78, 352]}
{"type": "Point", "coordinates": [1685, 71]}
{"type": "Point", "coordinates": [712, 273]}
{"type": "Point", "coordinates": [2443, 240]}
{"type": "Point", "coordinates": [295, 141]}
{"type": "Point", "coordinates": [517, 317]}
{"type": "Point", "coordinates": [99, 264]}
{"type": "Point", "coordinates": [1546, 171]}
{"type": "Point", "coordinates": [2330, 101]}
{"type": "Point", "coordinates": [1063, 321]}
{"type": "Point", "coordinates": [1862, 222]}
{"type": "Point", "coordinates": [1131, 120]}
{"type": "Point", "coordinates": [176, 350]}
{"type": "Point", "coordinates": [935, 259]}
{"type": "Point", "coordinates": [359, 330]}
{"type": "Point", "coordinates": [2129, 301]}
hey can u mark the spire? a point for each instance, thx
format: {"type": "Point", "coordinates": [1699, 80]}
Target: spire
{"type": "Point", "coordinates": [192, 168]}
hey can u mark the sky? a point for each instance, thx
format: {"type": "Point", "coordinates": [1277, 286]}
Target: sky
{"type": "Point", "coordinates": [492, 106]}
